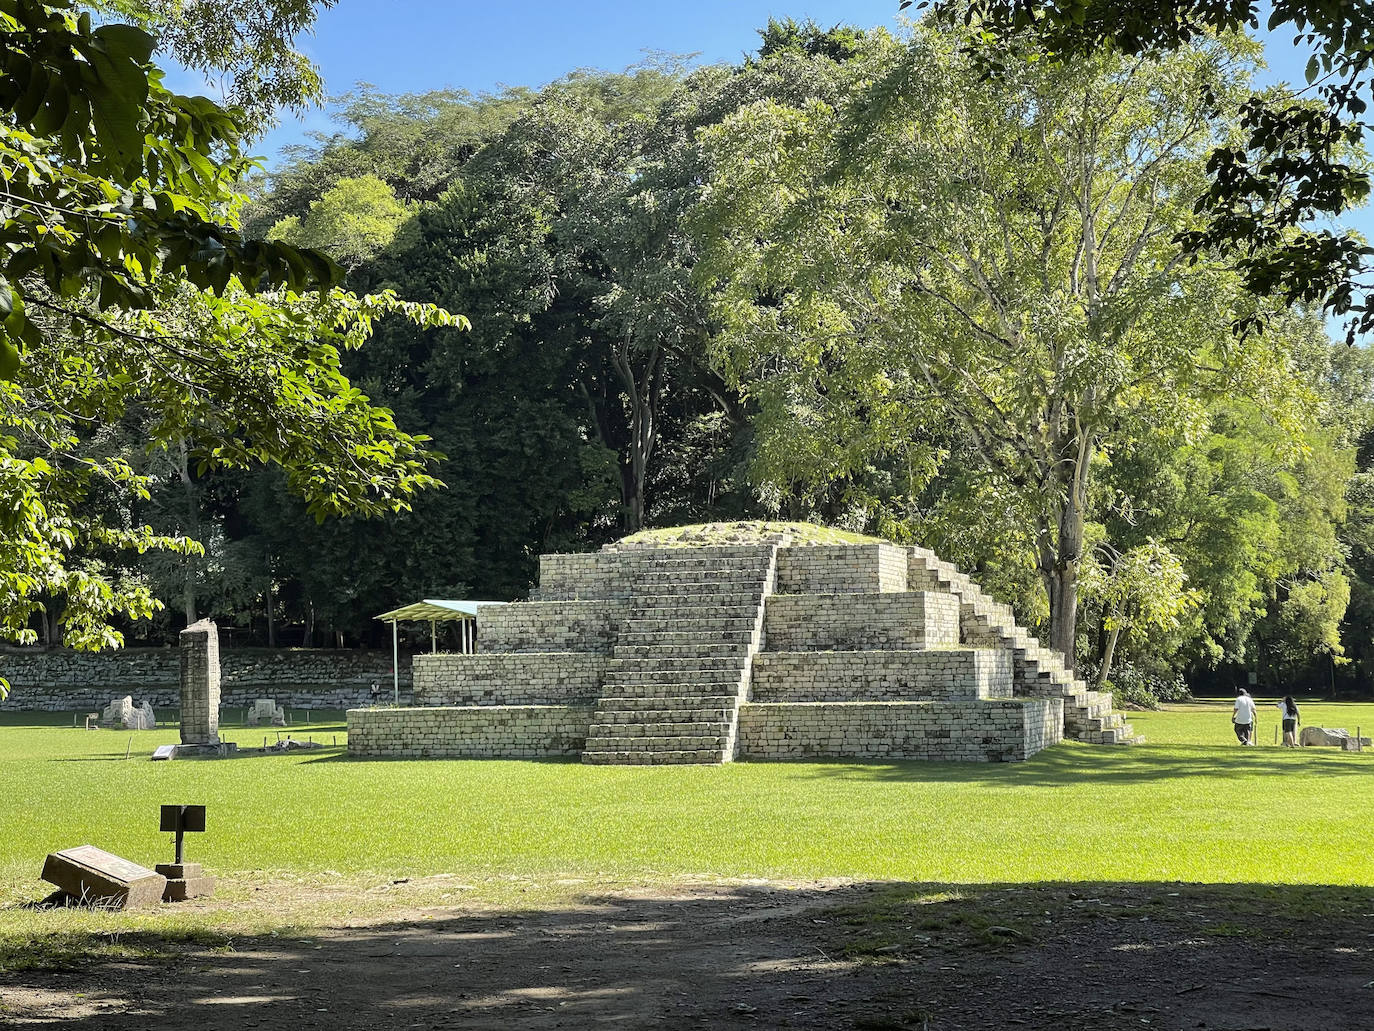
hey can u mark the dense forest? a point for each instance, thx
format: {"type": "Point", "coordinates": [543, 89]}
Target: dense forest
{"type": "Point", "coordinates": [849, 279]}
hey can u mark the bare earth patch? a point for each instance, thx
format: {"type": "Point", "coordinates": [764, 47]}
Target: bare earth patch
{"type": "Point", "coordinates": [765, 955]}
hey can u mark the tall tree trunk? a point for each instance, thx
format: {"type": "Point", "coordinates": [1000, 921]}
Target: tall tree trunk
{"type": "Point", "coordinates": [642, 390]}
{"type": "Point", "coordinates": [190, 564]}
{"type": "Point", "coordinates": [1061, 558]}
{"type": "Point", "coordinates": [1105, 669]}
{"type": "Point", "coordinates": [271, 621]}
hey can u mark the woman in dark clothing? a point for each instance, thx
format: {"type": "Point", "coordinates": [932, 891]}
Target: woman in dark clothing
{"type": "Point", "coordinates": [1288, 712]}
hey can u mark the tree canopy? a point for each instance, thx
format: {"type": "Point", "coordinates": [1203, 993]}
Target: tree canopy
{"type": "Point", "coordinates": [1296, 157]}
{"type": "Point", "coordinates": [128, 293]}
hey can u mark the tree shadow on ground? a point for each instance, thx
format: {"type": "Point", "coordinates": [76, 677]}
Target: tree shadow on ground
{"type": "Point", "coordinates": [941, 957]}
{"type": "Point", "coordinates": [1075, 764]}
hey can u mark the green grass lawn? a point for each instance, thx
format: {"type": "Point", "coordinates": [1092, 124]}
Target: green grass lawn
{"type": "Point", "coordinates": [1192, 805]}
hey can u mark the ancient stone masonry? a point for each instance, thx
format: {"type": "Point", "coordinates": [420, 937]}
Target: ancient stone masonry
{"type": "Point", "coordinates": [525, 678]}
{"type": "Point", "coordinates": [963, 731]}
{"type": "Point", "coordinates": [769, 650]}
{"type": "Point", "coordinates": [881, 676]}
{"type": "Point", "coordinates": [66, 681]}
{"type": "Point", "coordinates": [200, 684]}
{"type": "Point", "coordinates": [1039, 671]}
{"type": "Point", "coordinates": [854, 622]}
{"type": "Point", "coordinates": [470, 732]}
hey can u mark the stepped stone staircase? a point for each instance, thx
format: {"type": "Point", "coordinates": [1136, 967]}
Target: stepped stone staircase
{"type": "Point", "coordinates": [763, 649]}
{"type": "Point", "coordinates": [680, 666]}
{"type": "Point", "coordinates": [1040, 671]}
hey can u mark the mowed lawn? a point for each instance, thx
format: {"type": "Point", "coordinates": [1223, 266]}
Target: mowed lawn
{"type": "Point", "coordinates": [1190, 806]}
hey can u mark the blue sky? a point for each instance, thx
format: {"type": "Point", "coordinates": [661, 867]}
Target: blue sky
{"type": "Point", "coordinates": [403, 46]}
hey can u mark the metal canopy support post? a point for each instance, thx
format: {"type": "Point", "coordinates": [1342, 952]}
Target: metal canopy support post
{"type": "Point", "coordinates": [433, 646]}
{"type": "Point", "coordinates": [395, 664]}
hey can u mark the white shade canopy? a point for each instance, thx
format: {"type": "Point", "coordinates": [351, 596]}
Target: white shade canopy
{"type": "Point", "coordinates": [437, 610]}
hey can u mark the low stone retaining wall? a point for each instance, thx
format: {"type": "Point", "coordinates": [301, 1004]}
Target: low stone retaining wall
{"type": "Point", "coordinates": [486, 732]}
{"type": "Point", "coordinates": [847, 569]}
{"type": "Point", "coordinates": [950, 675]}
{"type": "Point", "coordinates": [524, 678]}
{"type": "Point", "coordinates": [969, 731]}
{"type": "Point", "coordinates": [860, 622]}
{"type": "Point", "coordinates": [551, 626]}
{"type": "Point", "coordinates": [66, 681]}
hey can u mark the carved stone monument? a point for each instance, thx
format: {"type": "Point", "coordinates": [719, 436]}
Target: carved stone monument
{"type": "Point", "coordinates": [94, 876]}
{"type": "Point", "coordinates": [121, 713]}
{"type": "Point", "coordinates": [200, 691]}
{"type": "Point", "coordinates": [266, 710]}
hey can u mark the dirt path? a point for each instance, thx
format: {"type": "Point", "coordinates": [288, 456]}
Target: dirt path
{"type": "Point", "coordinates": [939, 958]}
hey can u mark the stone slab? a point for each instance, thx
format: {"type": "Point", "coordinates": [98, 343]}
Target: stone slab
{"type": "Point", "coordinates": [165, 752]}
{"type": "Point", "coordinates": [94, 875]}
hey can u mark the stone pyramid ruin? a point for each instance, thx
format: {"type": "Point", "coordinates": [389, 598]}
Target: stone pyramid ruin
{"type": "Point", "coordinates": [745, 641]}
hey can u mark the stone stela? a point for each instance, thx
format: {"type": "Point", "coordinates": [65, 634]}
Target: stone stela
{"type": "Point", "coordinates": [184, 880]}
{"type": "Point", "coordinates": [94, 876]}
{"type": "Point", "coordinates": [200, 684]}
{"type": "Point", "coordinates": [200, 691]}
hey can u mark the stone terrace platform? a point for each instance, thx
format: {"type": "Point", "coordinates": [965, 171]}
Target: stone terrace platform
{"type": "Point", "coordinates": [646, 655]}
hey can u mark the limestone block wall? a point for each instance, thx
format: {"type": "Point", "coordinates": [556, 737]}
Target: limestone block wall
{"type": "Point", "coordinates": [860, 622]}
{"type": "Point", "coordinates": [551, 626]}
{"type": "Point", "coordinates": [847, 569]}
{"type": "Point", "coordinates": [486, 732]}
{"type": "Point", "coordinates": [589, 576]}
{"type": "Point", "coordinates": [967, 731]}
{"type": "Point", "coordinates": [852, 676]}
{"type": "Point", "coordinates": [300, 678]}
{"type": "Point", "coordinates": [526, 678]}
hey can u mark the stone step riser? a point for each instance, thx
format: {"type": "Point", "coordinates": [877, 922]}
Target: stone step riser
{"type": "Point", "coordinates": [661, 728]}
{"type": "Point", "coordinates": [648, 653]}
{"type": "Point", "coordinates": [713, 757]}
{"type": "Point", "coordinates": [689, 674]}
{"type": "Point", "coordinates": [748, 563]}
{"type": "Point", "coordinates": [683, 743]}
{"type": "Point", "coordinates": [687, 583]}
{"type": "Point", "coordinates": [687, 627]}
{"type": "Point", "coordinates": [720, 718]}
{"type": "Point", "coordinates": [673, 606]}
{"type": "Point", "coordinates": [657, 692]}
{"type": "Point", "coordinates": [643, 638]}
{"type": "Point", "coordinates": [626, 703]}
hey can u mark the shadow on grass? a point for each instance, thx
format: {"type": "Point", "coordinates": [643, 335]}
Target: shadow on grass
{"type": "Point", "coordinates": [869, 956]}
{"type": "Point", "coordinates": [555, 760]}
{"type": "Point", "coordinates": [251, 752]}
{"type": "Point", "coordinates": [1066, 764]}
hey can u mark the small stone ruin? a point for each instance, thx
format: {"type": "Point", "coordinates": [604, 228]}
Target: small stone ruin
{"type": "Point", "coordinates": [1332, 737]}
{"type": "Point", "coordinates": [766, 647]}
{"type": "Point", "coordinates": [266, 711]}
{"type": "Point", "coordinates": [121, 713]}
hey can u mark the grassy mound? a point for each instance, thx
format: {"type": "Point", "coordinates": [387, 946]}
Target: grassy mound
{"type": "Point", "coordinates": [714, 535]}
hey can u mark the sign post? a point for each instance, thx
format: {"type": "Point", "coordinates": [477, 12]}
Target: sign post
{"type": "Point", "coordinates": [184, 880]}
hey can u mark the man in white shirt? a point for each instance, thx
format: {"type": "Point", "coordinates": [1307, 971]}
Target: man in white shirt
{"type": "Point", "coordinates": [1243, 716]}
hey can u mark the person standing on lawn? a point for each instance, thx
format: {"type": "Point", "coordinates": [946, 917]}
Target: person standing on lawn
{"type": "Point", "coordinates": [1243, 716]}
{"type": "Point", "coordinates": [1288, 712]}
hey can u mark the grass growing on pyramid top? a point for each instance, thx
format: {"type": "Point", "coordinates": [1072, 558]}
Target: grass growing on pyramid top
{"type": "Point", "coordinates": [702, 535]}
